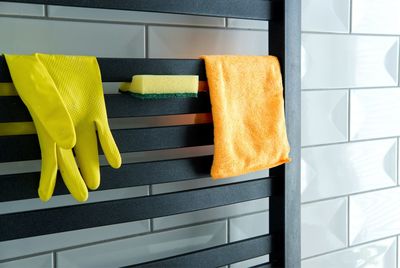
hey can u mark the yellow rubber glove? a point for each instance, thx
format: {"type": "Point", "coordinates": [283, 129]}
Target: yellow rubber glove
{"type": "Point", "coordinates": [74, 87]}
{"type": "Point", "coordinates": [78, 80]}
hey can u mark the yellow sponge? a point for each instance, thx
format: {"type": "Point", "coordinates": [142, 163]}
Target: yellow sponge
{"type": "Point", "coordinates": [162, 86]}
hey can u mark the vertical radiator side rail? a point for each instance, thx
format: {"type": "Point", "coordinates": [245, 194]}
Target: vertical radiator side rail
{"type": "Point", "coordinates": [284, 42]}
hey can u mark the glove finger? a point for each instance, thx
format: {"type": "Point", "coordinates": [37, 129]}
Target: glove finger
{"type": "Point", "coordinates": [39, 93]}
{"type": "Point", "coordinates": [108, 145]}
{"type": "Point", "coordinates": [48, 173]}
{"type": "Point", "coordinates": [71, 175]}
{"type": "Point", "coordinates": [87, 155]}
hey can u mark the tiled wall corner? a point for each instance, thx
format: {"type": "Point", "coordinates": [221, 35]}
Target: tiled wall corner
{"type": "Point", "coordinates": [350, 130]}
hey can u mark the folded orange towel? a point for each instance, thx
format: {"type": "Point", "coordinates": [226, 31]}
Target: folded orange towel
{"type": "Point", "coordinates": [248, 112]}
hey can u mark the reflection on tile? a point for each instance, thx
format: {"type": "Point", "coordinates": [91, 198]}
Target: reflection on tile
{"type": "Point", "coordinates": [167, 42]}
{"type": "Point", "coordinates": [32, 245]}
{"type": "Point", "coordinates": [341, 169]}
{"type": "Point", "coordinates": [211, 214]}
{"type": "Point", "coordinates": [248, 226]}
{"type": "Point", "coordinates": [251, 262]}
{"type": "Point", "coordinates": [68, 200]}
{"type": "Point", "coordinates": [374, 215]}
{"type": "Point", "coordinates": [376, 16]}
{"type": "Point", "coordinates": [248, 24]}
{"type": "Point", "coordinates": [323, 226]}
{"type": "Point", "coordinates": [42, 261]}
{"type": "Point", "coordinates": [381, 254]}
{"type": "Point", "coordinates": [132, 16]}
{"type": "Point", "coordinates": [323, 117]}
{"type": "Point", "coordinates": [199, 183]}
{"type": "Point", "coordinates": [342, 61]}
{"type": "Point", "coordinates": [325, 16]}
{"type": "Point", "coordinates": [21, 9]}
{"type": "Point", "coordinates": [144, 248]}
{"type": "Point", "coordinates": [68, 37]}
{"type": "Point", "coordinates": [373, 113]}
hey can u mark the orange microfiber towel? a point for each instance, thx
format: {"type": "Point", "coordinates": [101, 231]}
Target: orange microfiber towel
{"type": "Point", "coordinates": [248, 112]}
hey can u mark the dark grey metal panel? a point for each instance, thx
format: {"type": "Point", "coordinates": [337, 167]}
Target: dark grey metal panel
{"type": "Point", "coordinates": [12, 109]}
{"type": "Point", "coordinates": [25, 185]}
{"type": "Point", "coordinates": [216, 256]}
{"type": "Point", "coordinates": [284, 42]}
{"type": "Point", "coordinates": [63, 219]}
{"type": "Point", "coordinates": [26, 147]}
{"type": "Point", "coordinates": [122, 69]}
{"type": "Point", "coordinates": [246, 9]}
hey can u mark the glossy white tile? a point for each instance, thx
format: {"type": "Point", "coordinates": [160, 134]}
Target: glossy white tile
{"type": "Point", "coordinates": [205, 182]}
{"type": "Point", "coordinates": [144, 248]}
{"type": "Point", "coordinates": [8, 8]}
{"type": "Point", "coordinates": [374, 215]}
{"type": "Point", "coordinates": [324, 117]}
{"type": "Point", "coordinates": [133, 16]}
{"type": "Point", "coordinates": [33, 245]}
{"type": "Point", "coordinates": [167, 42]}
{"type": "Point", "coordinates": [248, 226]}
{"type": "Point", "coordinates": [376, 16]}
{"type": "Point", "coordinates": [68, 200]}
{"type": "Point", "coordinates": [323, 226]}
{"type": "Point", "coordinates": [247, 24]}
{"type": "Point", "coordinates": [23, 36]}
{"type": "Point", "coordinates": [251, 262]}
{"type": "Point", "coordinates": [42, 261]}
{"type": "Point", "coordinates": [380, 254]}
{"type": "Point", "coordinates": [341, 169]}
{"type": "Point", "coordinates": [325, 16]}
{"type": "Point", "coordinates": [343, 61]}
{"type": "Point", "coordinates": [211, 214]}
{"type": "Point", "coordinates": [373, 113]}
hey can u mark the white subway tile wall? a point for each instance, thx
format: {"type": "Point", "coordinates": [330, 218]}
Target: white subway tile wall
{"type": "Point", "coordinates": [340, 169]}
{"type": "Point", "coordinates": [343, 61]}
{"type": "Point", "coordinates": [350, 133]}
{"type": "Point", "coordinates": [111, 33]}
{"type": "Point", "coordinates": [325, 16]}
{"type": "Point", "coordinates": [42, 261]}
{"type": "Point", "coordinates": [379, 254]}
{"type": "Point", "coordinates": [324, 117]}
{"type": "Point", "coordinates": [372, 113]}
{"type": "Point", "coordinates": [145, 248]}
{"type": "Point", "coordinates": [376, 17]}
{"type": "Point", "coordinates": [323, 226]}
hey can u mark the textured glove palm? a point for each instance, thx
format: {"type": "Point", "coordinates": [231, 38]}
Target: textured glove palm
{"type": "Point", "coordinates": [65, 98]}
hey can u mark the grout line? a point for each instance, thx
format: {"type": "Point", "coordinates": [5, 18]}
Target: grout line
{"type": "Point", "coordinates": [350, 247]}
{"type": "Point", "coordinates": [54, 255]}
{"type": "Point", "coordinates": [351, 16]}
{"type": "Point", "coordinates": [352, 88]}
{"type": "Point", "coordinates": [348, 142]}
{"type": "Point", "coordinates": [348, 114]}
{"type": "Point", "coordinates": [228, 228]}
{"type": "Point", "coordinates": [46, 11]}
{"type": "Point", "coordinates": [151, 221]}
{"type": "Point", "coordinates": [397, 162]}
{"type": "Point", "coordinates": [137, 23]}
{"type": "Point", "coordinates": [351, 34]}
{"type": "Point", "coordinates": [398, 62]}
{"type": "Point", "coordinates": [226, 22]}
{"type": "Point", "coordinates": [146, 41]}
{"type": "Point", "coordinates": [397, 250]}
{"type": "Point", "coordinates": [352, 194]}
{"type": "Point", "coordinates": [348, 222]}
